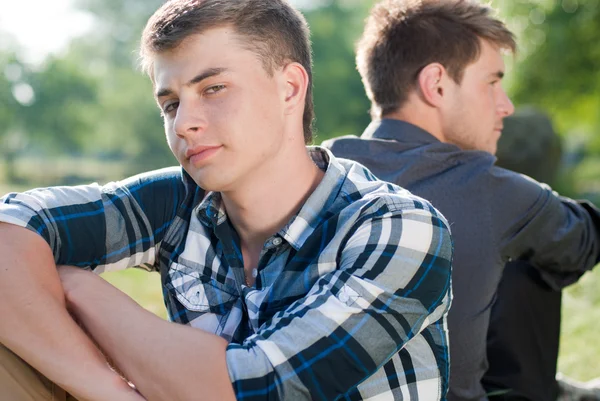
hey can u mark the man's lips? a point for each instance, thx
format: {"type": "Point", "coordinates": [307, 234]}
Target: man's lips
{"type": "Point", "coordinates": [200, 153]}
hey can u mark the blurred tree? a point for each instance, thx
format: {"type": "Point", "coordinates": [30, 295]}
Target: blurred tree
{"type": "Point", "coordinates": [341, 106]}
{"type": "Point", "coordinates": [128, 121]}
{"type": "Point", "coordinates": [559, 68]}
{"type": "Point", "coordinates": [59, 116]}
{"type": "Point", "coordinates": [45, 110]}
{"type": "Point", "coordinates": [118, 28]}
{"type": "Point", "coordinates": [11, 137]}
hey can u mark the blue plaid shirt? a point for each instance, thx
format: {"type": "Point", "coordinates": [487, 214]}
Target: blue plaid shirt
{"type": "Point", "coordinates": [351, 296]}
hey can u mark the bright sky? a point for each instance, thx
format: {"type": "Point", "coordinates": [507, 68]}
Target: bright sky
{"type": "Point", "coordinates": [41, 26]}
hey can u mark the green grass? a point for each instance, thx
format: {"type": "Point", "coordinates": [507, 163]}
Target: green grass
{"type": "Point", "coordinates": [580, 346]}
{"type": "Point", "coordinates": [144, 287]}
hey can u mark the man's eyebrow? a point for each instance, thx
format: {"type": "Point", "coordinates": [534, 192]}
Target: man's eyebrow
{"type": "Point", "coordinates": [211, 72]}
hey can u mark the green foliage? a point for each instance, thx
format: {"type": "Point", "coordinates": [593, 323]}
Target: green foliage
{"type": "Point", "coordinates": [58, 119]}
{"type": "Point", "coordinates": [561, 41]}
{"type": "Point", "coordinates": [129, 125]}
{"type": "Point", "coordinates": [9, 106]}
{"type": "Point", "coordinates": [118, 28]}
{"type": "Point", "coordinates": [335, 28]}
{"type": "Point", "coordinates": [42, 110]}
{"type": "Point", "coordinates": [12, 139]}
{"type": "Point", "coordinates": [128, 121]}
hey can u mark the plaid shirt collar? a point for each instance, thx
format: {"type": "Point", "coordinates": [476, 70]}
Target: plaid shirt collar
{"type": "Point", "coordinates": [211, 211]}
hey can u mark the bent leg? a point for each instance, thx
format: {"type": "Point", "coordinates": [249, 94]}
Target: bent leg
{"type": "Point", "coordinates": [20, 382]}
{"type": "Point", "coordinates": [523, 337]}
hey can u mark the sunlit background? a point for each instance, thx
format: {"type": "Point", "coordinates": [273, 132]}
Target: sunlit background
{"type": "Point", "coordinates": [75, 109]}
{"type": "Point", "coordinates": [41, 27]}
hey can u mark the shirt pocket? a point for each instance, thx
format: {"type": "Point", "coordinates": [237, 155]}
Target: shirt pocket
{"type": "Point", "coordinates": [200, 293]}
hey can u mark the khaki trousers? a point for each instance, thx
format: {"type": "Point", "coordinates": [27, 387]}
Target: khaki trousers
{"type": "Point", "coordinates": [20, 382]}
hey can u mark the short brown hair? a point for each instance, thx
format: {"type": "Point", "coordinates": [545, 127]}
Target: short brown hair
{"type": "Point", "coordinates": [272, 29]}
{"type": "Point", "coordinates": [401, 37]}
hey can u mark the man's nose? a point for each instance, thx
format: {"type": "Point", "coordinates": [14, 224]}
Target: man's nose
{"type": "Point", "coordinates": [505, 105]}
{"type": "Point", "coordinates": [189, 119]}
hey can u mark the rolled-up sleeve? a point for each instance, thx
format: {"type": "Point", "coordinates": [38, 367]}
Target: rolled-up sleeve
{"type": "Point", "coordinates": [112, 226]}
{"type": "Point", "coordinates": [392, 281]}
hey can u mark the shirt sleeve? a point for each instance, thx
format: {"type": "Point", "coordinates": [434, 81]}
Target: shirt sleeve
{"type": "Point", "coordinates": [392, 281]}
{"type": "Point", "coordinates": [107, 227]}
{"type": "Point", "coordinates": [558, 235]}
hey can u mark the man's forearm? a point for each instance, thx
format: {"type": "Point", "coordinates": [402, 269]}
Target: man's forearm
{"type": "Point", "coordinates": [37, 326]}
{"type": "Point", "coordinates": [165, 361]}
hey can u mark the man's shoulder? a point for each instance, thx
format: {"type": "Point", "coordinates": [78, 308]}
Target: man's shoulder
{"type": "Point", "coordinates": [345, 144]}
{"type": "Point", "coordinates": [384, 153]}
{"type": "Point", "coordinates": [363, 190]}
{"type": "Point", "coordinates": [329, 143]}
{"type": "Point", "coordinates": [417, 166]}
{"type": "Point", "coordinates": [169, 182]}
{"type": "Point", "coordinates": [169, 175]}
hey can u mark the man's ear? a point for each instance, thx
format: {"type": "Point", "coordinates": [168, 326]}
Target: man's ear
{"type": "Point", "coordinates": [296, 84]}
{"type": "Point", "coordinates": [431, 82]}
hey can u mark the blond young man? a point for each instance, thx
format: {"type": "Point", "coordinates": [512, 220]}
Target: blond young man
{"type": "Point", "coordinates": [433, 71]}
{"type": "Point", "coordinates": [293, 275]}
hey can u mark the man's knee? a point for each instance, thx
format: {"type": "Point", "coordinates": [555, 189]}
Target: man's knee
{"type": "Point", "coordinates": [20, 382]}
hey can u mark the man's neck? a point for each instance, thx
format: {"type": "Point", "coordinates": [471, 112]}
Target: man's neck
{"type": "Point", "coordinates": [420, 115]}
{"type": "Point", "coordinates": [269, 198]}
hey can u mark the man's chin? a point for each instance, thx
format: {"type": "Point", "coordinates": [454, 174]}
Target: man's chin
{"type": "Point", "coordinates": [207, 185]}
{"type": "Point", "coordinates": [202, 179]}
{"type": "Point", "coordinates": [211, 184]}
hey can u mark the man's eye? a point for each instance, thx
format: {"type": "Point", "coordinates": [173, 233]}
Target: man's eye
{"type": "Point", "coordinates": [215, 89]}
{"type": "Point", "coordinates": [170, 107]}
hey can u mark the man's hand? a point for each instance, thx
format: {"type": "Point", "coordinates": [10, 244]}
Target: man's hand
{"type": "Point", "coordinates": [73, 278]}
{"type": "Point", "coordinates": [141, 344]}
{"type": "Point", "coordinates": [37, 327]}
